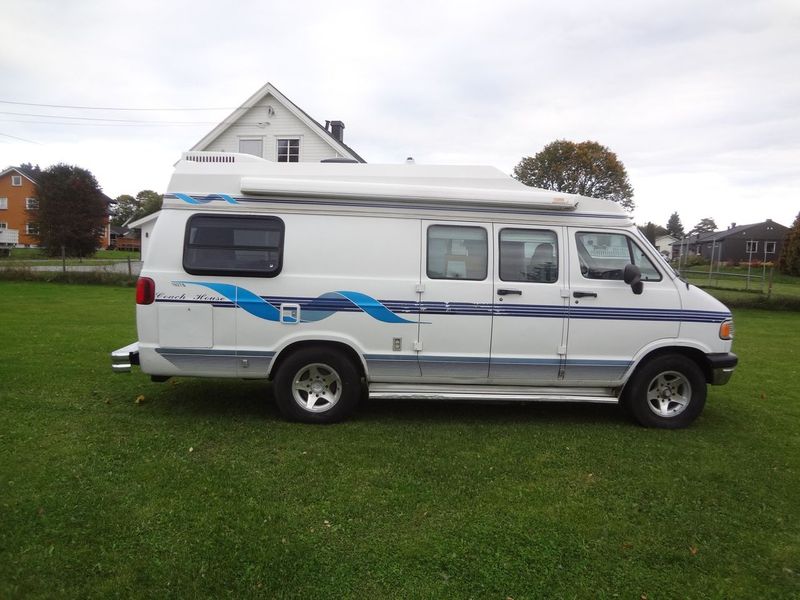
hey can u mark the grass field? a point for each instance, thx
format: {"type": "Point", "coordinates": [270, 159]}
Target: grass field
{"type": "Point", "coordinates": [199, 489]}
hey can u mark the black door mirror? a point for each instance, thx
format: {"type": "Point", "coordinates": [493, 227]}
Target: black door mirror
{"type": "Point", "coordinates": [632, 275]}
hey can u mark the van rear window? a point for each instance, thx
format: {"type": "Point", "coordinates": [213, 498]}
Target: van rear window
{"type": "Point", "coordinates": [233, 245]}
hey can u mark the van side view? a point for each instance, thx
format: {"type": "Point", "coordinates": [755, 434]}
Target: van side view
{"type": "Point", "coordinates": [417, 282]}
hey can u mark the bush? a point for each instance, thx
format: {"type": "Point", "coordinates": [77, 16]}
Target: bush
{"type": "Point", "coordinates": [78, 277]}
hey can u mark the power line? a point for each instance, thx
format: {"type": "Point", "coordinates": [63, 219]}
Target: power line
{"type": "Point", "coordinates": [133, 124]}
{"type": "Point", "coordinates": [20, 139]}
{"type": "Point", "coordinates": [104, 119]}
{"type": "Point", "coordinates": [115, 107]}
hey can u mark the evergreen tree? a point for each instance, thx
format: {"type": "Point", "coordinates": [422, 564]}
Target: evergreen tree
{"type": "Point", "coordinates": [674, 226]}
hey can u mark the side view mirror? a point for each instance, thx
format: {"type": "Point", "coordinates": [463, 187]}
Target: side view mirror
{"type": "Point", "coordinates": [632, 275]}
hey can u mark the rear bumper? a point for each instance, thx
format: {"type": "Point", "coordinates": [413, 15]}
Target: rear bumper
{"type": "Point", "coordinates": [123, 359]}
{"type": "Point", "coordinates": [722, 367]}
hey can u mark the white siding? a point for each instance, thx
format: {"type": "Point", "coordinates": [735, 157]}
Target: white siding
{"type": "Point", "coordinates": [256, 123]}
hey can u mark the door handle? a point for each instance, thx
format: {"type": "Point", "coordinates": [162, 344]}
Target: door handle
{"type": "Point", "coordinates": [584, 294]}
{"type": "Point", "coordinates": [506, 292]}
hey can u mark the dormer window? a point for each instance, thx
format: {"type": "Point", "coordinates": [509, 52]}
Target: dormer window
{"type": "Point", "coordinates": [16, 180]}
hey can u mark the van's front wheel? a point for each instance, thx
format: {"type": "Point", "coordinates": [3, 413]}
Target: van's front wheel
{"type": "Point", "coordinates": [317, 386]}
{"type": "Point", "coordinates": [668, 391]}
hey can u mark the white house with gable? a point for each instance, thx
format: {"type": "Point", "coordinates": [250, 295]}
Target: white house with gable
{"type": "Point", "coordinates": [271, 126]}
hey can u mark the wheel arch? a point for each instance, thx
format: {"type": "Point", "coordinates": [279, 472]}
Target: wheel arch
{"type": "Point", "coordinates": [346, 349]}
{"type": "Point", "coordinates": [694, 354]}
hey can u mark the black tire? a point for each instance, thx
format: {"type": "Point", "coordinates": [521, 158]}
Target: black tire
{"type": "Point", "coordinates": [317, 386]}
{"type": "Point", "coordinates": [668, 391]}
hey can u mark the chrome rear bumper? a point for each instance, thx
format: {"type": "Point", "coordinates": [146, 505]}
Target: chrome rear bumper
{"type": "Point", "coordinates": [124, 358]}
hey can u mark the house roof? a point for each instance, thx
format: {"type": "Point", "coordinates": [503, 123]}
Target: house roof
{"type": "Point", "coordinates": [298, 112]}
{"type": "Point", "coordinates": [26, 174]}
{"type": "Point", "coordinates": [718, 236]}
{"type": "Point", "coordinates": [141, 222]}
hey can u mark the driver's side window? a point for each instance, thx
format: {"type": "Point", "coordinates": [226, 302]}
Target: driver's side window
{"type": "Point", "coordinates": [604, 256]}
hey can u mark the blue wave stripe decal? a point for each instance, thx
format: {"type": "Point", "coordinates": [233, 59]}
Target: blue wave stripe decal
{"type": "Point", "coordinates": [316, 309]}
{"type": "Point", "coordinates": [205, 199]}
{"type": "Point", "coordinates": [385, 311]}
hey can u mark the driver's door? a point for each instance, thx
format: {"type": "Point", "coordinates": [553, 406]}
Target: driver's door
{"type": "Point", "coordinates": [608, 323]}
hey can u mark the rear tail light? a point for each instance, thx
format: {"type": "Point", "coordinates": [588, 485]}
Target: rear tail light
{"type": "Point", "coordinates": [145, 291]}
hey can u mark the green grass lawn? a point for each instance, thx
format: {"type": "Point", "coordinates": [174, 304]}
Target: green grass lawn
{"type": "Point", "coordinates": [201, 490]}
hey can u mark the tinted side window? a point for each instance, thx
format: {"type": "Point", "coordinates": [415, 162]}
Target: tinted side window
{"type": "Point", "coordinates": [528, 255]}
{"type": "Point", "coordinates": [456, 252]}
{"type": "Point", "coordinates": [604, 256]}
{"type": "Point", "coordinates": [233, 245]}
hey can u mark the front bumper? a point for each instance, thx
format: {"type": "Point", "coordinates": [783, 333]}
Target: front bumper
{"type": "Point", "coordinates": [722, 367]}
{"type": "Point", "coordinates": [124, 358]}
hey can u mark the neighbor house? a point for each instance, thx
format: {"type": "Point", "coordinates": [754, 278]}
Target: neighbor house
{"type": "Point", "coordinates": [739, 243]}
{"type": "Point", "coordinates": [271, 126]}
{"type": "Point", "coordinates": [18, 205]}
{"type": "Point", "coordinates": [664, 246]}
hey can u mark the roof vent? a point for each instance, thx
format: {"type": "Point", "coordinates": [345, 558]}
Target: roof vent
{"type": "Point", "coordinates": [210, 158]}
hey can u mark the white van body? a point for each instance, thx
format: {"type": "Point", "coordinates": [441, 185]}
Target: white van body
{"type": "Point", "coordinates": [430, 282]}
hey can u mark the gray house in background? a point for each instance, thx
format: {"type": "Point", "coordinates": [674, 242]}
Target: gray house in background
{"type": "Point", "coordinates": [742, 243]}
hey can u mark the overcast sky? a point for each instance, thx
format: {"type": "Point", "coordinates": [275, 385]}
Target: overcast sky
{"type": "Point", "coordinates": [700, 99]}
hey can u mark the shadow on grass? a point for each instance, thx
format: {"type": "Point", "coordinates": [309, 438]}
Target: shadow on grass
{"type": "Point", "coordinates": [255, 399]}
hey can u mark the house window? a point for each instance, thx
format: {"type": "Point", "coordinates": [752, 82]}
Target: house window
{"type": "Point", "coordinates": [31, 229]}
{"type": "Point", "coordinates": [3, 225]}
{"type": "Point", "coordinates": [751, 247]}
{"type": "Point", "coordinates": [254, 146]}
{"type": "Point", "coordinates": [16, 180]}
{"type": "Point", "coordinates": [289, 150]}
{"type": "Point", "coordinates": [456, 252]}
{"type": "Point", "coordinates": [31, 204]}
{"type": "Point", "coordinates": [233, 245]}
{"type": "Point", "coordinates": [769, 247]}
{"type": "Point", "coordinates": [3, 203]}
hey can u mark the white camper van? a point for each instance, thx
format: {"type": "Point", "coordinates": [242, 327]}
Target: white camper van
{"type": "Point", "coordinates": [417, 282]}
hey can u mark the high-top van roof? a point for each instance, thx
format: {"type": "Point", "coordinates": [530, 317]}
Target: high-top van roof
{"type": "Point", "coordinates": [202, 176]}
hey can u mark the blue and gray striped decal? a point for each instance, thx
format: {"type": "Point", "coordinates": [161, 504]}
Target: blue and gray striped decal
{"type": "Point", "coordinates": [389, 311]}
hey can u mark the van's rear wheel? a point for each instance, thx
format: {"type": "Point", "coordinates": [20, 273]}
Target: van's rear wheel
{"type": "Point", "coordinates": [317, 386]}
{"type": "Point", "coordinates": [668, 391]}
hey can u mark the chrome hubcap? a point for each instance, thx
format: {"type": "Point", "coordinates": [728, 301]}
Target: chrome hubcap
{"type": "Point", "coordinates": [669, 394]}
{"type": "Point", "coordinates": [316, 387]}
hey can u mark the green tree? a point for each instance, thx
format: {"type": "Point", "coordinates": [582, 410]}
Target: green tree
{"type": "Point", "coordinates": [674, 226]}
{"type": "Point", "coordinates": [125, 209]}
{"type": "Point", "coordinates": [72, 211]}
{"type": "Point", "coordinates": [129, 208]}
{"type": "Point", "coordinates": [706, 225]}
{"type": "Point", "coordinates": [33, 170]}
{"type": "Point", "coordinates": [652, 231]}
{"type": "Point", "coordinates": [789, 261]}
{"type": "Point", "coordinates": [149, 202]}
{"type": "Point", "coordinates": [586, 168]}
